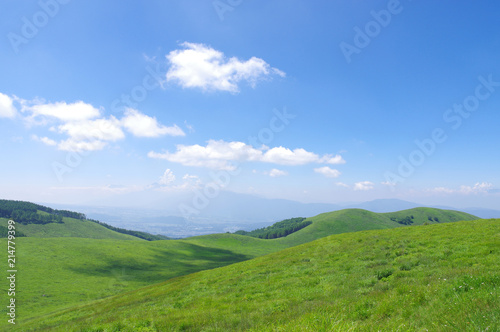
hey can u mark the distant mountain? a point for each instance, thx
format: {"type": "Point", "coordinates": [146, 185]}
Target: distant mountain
{"type": "Point", "coordinates": [244, 207]}
{"type": "Point", "coordinates": [483, 213]}
{"type": "Point", "coordinates": [385, 205]}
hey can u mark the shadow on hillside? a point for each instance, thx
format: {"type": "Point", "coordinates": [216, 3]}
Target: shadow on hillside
{"type": "Point", "coordinates": [164, 264]}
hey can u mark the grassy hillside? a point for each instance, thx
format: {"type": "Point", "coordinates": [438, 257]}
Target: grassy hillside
{"type": "Point", "coordinates": [56, 273]}
{"type": "Point", "coordinates": [441, 277]}
{"type": "Point", "coordinates": [70, 228]}
{"type": "Point", "coordinates": [61, 272]}
{"type": "Point", "coordinates": [353, 220]}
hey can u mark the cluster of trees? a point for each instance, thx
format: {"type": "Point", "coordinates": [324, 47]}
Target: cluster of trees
{"type": "Point", "coordinates": [408, 220]}
{"type": "Point", "coordinates": [141, 235]}
{"type": "Point", "coordinates": [279, 229]}
{"type": "Point", "coordinates": [4, 232]}
{"type": "Point", "coordinates": [436, 219]}
{"type": "Point", "coordinates": [27, 213]}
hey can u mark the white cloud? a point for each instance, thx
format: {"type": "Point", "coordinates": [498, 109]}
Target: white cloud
{"type": "Point", "coordinates": [77, 111]}
{"type": "Point", "coordinates": [82, 124]}
{"type": "Point", "coordinates": [333, 160]}
{"type": "Point", "coordinates": [364, 185]}
{"type": "Point", "coordinates": [220, 154]}
{"type": "Point", "coordinates": [167, 178]}
{"type": "Point", "coordinates": [75, 145]}
{"type": "Point", "coordinates": [90, 135]}
{"type": "Point", "coordinates": [44, 140]}
{"type": "Point", "coordinates": [7, 109]}
{"type": "Point", "coordinates": [478, 188]}
{"type": "Point", "coordinates": [342, 184]}
{"type": "Point", "coordinates": [141, 125]}
{"type": "Point", "coordinates": [100, 129]}
{"type": "Point", "coordinates": [276, 172]}
{"type": "Point", "coordinates": [327, 171]}
{"type": "Point", "coordinates": [217, 154]}
{"type": "Point", "coordinates": [284, 156]}
{"type": "Point", "coordinates": [200, 66]}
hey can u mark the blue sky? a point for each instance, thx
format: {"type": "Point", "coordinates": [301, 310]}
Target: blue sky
{"type": "Point", "coordinates": [314, 101]}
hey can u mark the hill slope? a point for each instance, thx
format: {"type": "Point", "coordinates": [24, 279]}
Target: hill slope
{"type": "Point", "coordinates": [353, 220]}
{"type": "Point", "coordinates": [70, 228]}
{"type": "Point", "coordinates": [57, 273]}
{"type": "Point", "coordinates": [435, 277]}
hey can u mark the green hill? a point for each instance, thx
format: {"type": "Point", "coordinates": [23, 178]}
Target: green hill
{"type": "Point", "coordinates": [62, 272]}
{"type": "Point", "coordinates": [69, 228]}
{"type": "Point", "coordinates": [353, 220]}
{"type": "Point", "coordinates": [442, 277]}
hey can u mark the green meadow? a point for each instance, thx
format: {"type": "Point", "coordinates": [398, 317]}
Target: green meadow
{"type": "Point", "coordinates": [65, 269]}
{"type": "Point", "coordinates": [441, 277]}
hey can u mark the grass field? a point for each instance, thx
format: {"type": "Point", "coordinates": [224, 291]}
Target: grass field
{"type": "Point", "coordinates": [443, 277]}
{"type": "Point", "coordinates": [60, 272]}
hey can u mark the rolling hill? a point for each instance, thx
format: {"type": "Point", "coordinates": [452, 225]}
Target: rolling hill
{"type": "Point", "coordinates": [70, 228]}
{"type": "Point", "coordinates": [442, 277]}
{"type": "Point", "coordinates": [78, 270]}
{"type": "Point", "coordinates": [353, 220]}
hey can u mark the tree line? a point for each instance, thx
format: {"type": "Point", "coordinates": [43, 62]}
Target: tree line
{"type": "Point", "coordinates": [141, 235]}
{"type": "Point", "coordinates": [27, 213]}
{"type": "Point", "coordinates": [277, 230]}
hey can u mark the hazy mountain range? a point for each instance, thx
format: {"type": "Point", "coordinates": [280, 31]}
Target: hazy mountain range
{"type": "Point", "coordinates": [228, 212]}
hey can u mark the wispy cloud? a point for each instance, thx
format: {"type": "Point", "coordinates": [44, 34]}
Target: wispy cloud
{"type": "Point", "coordinates": [200, 66]}
{"type": "Point", "coordinates": [364, 186]}
{"type": "Point", "coordinates": [142, 125]}
{"type": "Point", "coordinates": [328, 172]}
{"type": "Point", "coordinates": [478, 188]}
{"type": "Point", "coordinates": [276, 173]}
{"type": "Point", "coordinates": [167, 178]}
{"type": "Point", "coordinates": [44, 140]}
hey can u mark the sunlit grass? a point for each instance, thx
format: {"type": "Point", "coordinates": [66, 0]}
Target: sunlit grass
{"type": "Point", "coordinates": [443, 277]}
